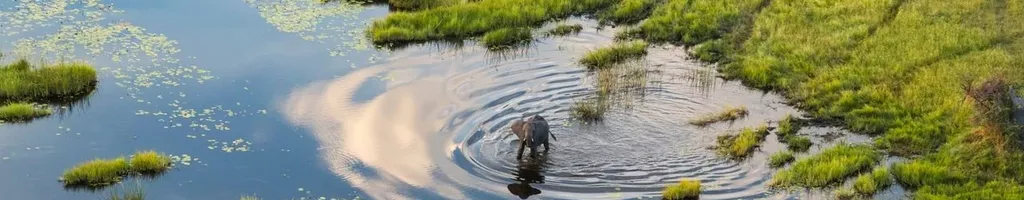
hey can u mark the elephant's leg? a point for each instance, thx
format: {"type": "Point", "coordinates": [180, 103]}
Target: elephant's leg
{"type": "Point", "coordinates": [546, 147]}
{"type": "Point", "coordinates": [522, 146]}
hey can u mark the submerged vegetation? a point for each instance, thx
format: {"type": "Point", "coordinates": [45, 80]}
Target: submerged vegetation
{"type": "Point", "coordinates": [830, 166]}
{"type": "Point", "coordinates": [105, 172]}
{"type": "Point", "coordinates": [19, 112]}
{"type": "Point", "coordinates": [563, 30]}
{"type": "Point", "coordinates": [739, 146]}
{"type": "Point", "coordinates": [781, 158]}
{"type": "Point", "coordinates": [686, 189]}
{"type": "Point", "coordinates": [134, 193]}
{"type": "Point", "coordinates": [589, 110]}
{"type": "Point", "coordinates": [729, 114]}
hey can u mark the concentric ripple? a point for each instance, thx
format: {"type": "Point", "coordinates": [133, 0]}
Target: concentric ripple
{"type": "Point", "coordinates": [440, 125]}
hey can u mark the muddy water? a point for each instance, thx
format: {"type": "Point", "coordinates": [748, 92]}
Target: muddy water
{"type": "Point", "coordinates": [281, 99]}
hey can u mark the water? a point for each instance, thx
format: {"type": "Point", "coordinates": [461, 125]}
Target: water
{"type": "Point", "coordinates": [279, 98]}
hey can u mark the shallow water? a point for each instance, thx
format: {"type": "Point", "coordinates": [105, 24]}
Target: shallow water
{"type": "Point", "coordinates": [280, 99]}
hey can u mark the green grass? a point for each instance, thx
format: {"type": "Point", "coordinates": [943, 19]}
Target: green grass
{"type": "Point", "coordinates": [420, 4]}
{"type": "Point", "coordinates": [628, 11]}
{"type": "Point", "coordinates": [798, 143]}
{"type": "Point", "coordinates": [475, 18]}
{"type": "Point", "coordinates": [787, 127]}
{"type": "Point", "coordinates": [691, 22]}
{"type": "Point", "coordinates": [589, 110]}
{"type": "Point", "coordinates": [563, 30]}
{"type": "Point", "coordinates": [990, 190]}
{"type": "Point", "coordinates": [105, 172]}
{"type": "Point", "coordinates": [150, 162]}
{"type": "Point", "coordinates": [845, 193]}
{"type": "Point", "coordinates": [60, 82]}
{"type": "Point", "coordinates": [728, 114]}
{"type": "Point", "coordinates": [507, 38]}
{"type": "Point", "coordinates": [869, 183]}
{"type": "Point", "coordinates": [97, 173]}
{"type": "Point", "coordinates": [19, 112]}
{"type": "Point", "coordinates": [686, 189]}
{"type": "Point", "coordinates": [916, 174]}
{"type": "Point", "coordinates": [741, 145]}
{"type": "Point", "coordinates": [828, 167]}
{"type": "Point", "coordinates": [781, 158]}
{"type": "Point", "coordinates": [618, 53]}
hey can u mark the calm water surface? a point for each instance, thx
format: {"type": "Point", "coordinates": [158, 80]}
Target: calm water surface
{"type": "Point", "coordinates": [283, 99]}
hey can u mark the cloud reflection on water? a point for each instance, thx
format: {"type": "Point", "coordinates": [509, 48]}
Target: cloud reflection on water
{"type": "Point", "coordinates": [397, 134]}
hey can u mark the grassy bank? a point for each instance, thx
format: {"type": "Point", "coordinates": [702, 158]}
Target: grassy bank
{"type": "Point", "coordinates": [476, 18]}
{"type": "Point", "coordinates": [828, 167]}
{"type": "Point", "coordinates": [919, 75]}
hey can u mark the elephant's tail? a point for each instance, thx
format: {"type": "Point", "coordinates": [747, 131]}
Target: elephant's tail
{"type": "Point", "coordinates": [552, 135]}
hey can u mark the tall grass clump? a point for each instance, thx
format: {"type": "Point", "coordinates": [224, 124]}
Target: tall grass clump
{"type": "Point", "coordinates": [781, 158]}
{"type": "Point", "coordinates": [46, 84]}
{"type": "Point", "coordinates": [589, 110]}
{"type": "Point", "coordinates": [19, 112]}
{"type": "Point", "coordinates": [628, 11]}
{"type": "Point", "coordinates": [96, 173]}
{"type": "Point", "coordinates": [798, 143]}
{"type": "Point", "coordinates": [869, 183]}
{"type": "Point", "coordinates": [739, 146]}
{"type": "Point", "coordinates": [563, 30]}
{"type": "Point", "coordinates": [507, 38]}
{"type": "Point", "coordinates": [915, 174]}
{"type": "Point", "coordinates": [787, 127]}
{"type": "Point", "coordinates": [828, 167]}
{"type": "Point", "coordinates": [686, 189]}
{"type": "Point", "coordinates": [729, 114]}
{"type": "Point", "coordinates": [149, 162]}
{"type": "Point", "coordinates": [844, 193]}
{"type": "Point", "coordinates": [475, 18]}
{"type": "Point", "coordinates": [618, 53]}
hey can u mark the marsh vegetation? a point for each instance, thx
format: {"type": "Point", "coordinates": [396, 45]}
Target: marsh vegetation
{"type": "Point", "coordinates": [26, 90]}
{"type": "Point", "coordinates": [727, 114]}
{"type": "Point", "coordinates": [740, 146]}
{"type": "Point", "coordinates": [100, 173]}
{"type": "Point", "coordinates": [684, 190]}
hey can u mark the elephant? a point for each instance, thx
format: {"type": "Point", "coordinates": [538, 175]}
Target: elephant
{"type": "Point", "coordinates": [532, 132]}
